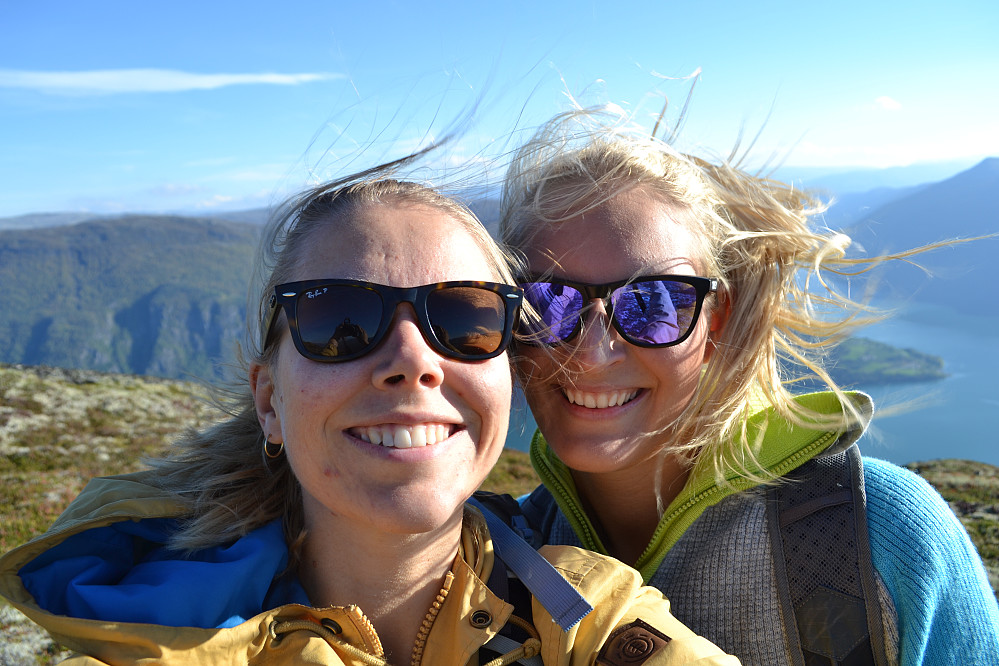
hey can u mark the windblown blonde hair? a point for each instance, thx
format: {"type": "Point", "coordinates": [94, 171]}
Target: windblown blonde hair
{"type": "Point", "coordinates": [758, 236]}
{"type": "Point", "coordinates": [221, 473]}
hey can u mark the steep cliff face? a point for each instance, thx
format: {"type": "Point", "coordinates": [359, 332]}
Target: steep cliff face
{"type": "Point", "coordinates": [138, 294]}
{"type": "Point", "coordinates": [175, 330]}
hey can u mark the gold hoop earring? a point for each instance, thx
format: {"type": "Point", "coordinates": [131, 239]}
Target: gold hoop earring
{"type": "Point", "coordinates": [271, 452]}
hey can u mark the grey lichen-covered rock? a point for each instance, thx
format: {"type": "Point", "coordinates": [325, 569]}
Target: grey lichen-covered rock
{"type": "Point", "coordinates": [24, 642]}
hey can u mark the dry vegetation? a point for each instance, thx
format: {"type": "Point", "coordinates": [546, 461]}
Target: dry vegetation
{"type": "Point", "coordinates": [59, 428]}
{"type": "Point", "coordinates": [972, 489]}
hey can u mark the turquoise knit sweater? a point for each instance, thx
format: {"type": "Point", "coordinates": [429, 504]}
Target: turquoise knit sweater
{"type": "Point", "coordinates": [947, 612]}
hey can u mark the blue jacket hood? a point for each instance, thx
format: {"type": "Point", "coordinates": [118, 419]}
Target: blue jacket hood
{"type": "Point", "coordinates": [123, 572]}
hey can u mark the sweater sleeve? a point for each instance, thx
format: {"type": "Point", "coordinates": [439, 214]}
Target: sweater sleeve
{"type": "Point", "coordinates": [947, 612]}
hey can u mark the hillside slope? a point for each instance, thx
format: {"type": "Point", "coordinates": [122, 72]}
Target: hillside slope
{"type": "Point", "coordinates": [964, 206]}
{"type": "Point", "coordinates": [59, 428]}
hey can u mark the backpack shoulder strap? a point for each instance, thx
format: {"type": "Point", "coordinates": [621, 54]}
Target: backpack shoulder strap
{"type": "Point", "coordinates": [520, 572]}
{"type": "Point", "coordinates": [510, 511]}
{"type": "Point", "coordinates": [822, 558]}
{"type": "Point", "coordinates": [557, 595]}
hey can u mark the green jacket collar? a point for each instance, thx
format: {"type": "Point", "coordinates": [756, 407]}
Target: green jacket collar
{"type": "Point", "coordinates": [785, 447]}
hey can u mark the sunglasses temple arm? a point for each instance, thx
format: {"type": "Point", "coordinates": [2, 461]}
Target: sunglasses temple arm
{"type": "Point", "coordinates": [265, 331]}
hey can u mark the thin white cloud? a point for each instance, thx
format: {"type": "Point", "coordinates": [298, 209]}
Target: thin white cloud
{"type": "Point", "coordinates": [887, 103]}
{"type": "Point", "coordinates": [947, 148]}
{"type": "Point", "coordinates": [116, 81]}
{"type": "Point", "coordinates": [176, 190]}
{"type": "Point", "coordinates": [216, 201]}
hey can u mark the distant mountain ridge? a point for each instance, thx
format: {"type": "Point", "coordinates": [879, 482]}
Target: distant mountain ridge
{"type": "Point", "coordinates": [166, 295]}
{"type": "Point", "coordinates": [844, 181]}
{"type": "Point", "coordinates": [38, 220]}
{"type": "Point", "coordinates": [964, 206]}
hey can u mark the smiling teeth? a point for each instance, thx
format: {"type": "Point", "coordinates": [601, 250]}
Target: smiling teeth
{"type": "Point", "coordinates": [600, 400]}
{"type": "Point", "coordinates": [404, 437]}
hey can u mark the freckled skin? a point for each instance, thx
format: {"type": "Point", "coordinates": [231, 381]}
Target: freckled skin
{"type": "Point", "coordinates": [631, 234]}
{"type": "Point", "coordinates": [312, 406]}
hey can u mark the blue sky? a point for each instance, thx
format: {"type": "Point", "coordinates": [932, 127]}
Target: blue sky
{"type": "Point", "coordinates": [111, 106]}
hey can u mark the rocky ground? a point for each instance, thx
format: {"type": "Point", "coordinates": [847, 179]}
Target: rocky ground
{"type": "Point", "coordinates": [972, 490]}
{"type": "Point", "coordinates": [59, 428]}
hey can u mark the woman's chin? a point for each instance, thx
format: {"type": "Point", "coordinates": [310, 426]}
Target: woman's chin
{"type": "Point", "coordinates": [602, 455]}
{"type": "Point", "coordinates": [416, 519]}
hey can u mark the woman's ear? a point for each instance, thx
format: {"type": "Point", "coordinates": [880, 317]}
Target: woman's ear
{"type": "Point", "coordinates": [262, 387]}
{"type": "Point", "coordinates": [717, 320]}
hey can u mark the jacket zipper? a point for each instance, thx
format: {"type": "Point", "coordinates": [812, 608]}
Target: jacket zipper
{"type": "Point", "coordinates": [367, 630]}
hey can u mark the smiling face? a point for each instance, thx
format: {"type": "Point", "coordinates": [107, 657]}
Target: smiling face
{"type": "Point", "coordinates": [600, 400]}
{"type": "Point", "coordinates": [344, 425]}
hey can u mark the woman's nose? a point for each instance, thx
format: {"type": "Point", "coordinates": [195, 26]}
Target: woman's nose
{"type": "Point", "coordinates": [599, 343]}
{"type": "Point", "coordinates": [405, 358]}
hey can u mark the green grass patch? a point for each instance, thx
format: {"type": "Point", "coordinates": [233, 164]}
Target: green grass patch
{"type": "Point", "coordinates": [512, 474]}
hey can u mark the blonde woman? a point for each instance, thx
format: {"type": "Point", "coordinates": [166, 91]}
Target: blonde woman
{"type": "Point", "coordinates": [668, 437]}
{"type": "Point", "coordinates": [324, 521]}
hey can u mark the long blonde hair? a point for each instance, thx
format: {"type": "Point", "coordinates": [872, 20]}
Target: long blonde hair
{"type": "Point", "coordinates": [757, 235]}
{"type": "Point", "coordinates": [222, 474]}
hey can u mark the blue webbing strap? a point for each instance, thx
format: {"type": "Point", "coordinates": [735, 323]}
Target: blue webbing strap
{"type": "Point", "coordinates": [562, 601]}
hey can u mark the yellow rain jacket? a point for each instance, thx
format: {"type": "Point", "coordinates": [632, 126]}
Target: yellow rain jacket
{"type": "Point", "coordinates": [115, 520]}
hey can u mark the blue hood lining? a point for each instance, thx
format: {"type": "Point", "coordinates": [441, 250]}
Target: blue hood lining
{"type": "Point", "coordinates": [125, 573]}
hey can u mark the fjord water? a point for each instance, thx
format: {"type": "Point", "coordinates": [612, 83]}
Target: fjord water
{"type": "Point", "coordinates": [956, 417]}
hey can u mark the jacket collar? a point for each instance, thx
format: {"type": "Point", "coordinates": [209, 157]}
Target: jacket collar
{"type": "Point", "coordinates": [453, 636]}
{"type": "Point", "coordinates": [784, 448]}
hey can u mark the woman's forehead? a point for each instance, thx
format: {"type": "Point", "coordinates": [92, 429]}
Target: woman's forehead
{"type": "Point", "coordinates": [629, 234]}
{"type": "Point", "coordinates": [395, 244]}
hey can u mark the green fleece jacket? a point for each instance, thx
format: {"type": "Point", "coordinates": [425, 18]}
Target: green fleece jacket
{"type": "Point", "coordinates": [786, 447]}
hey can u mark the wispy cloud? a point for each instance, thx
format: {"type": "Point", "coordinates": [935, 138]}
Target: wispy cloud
{"type": "Point", "coordinates": [116, 81]}
{"type": "Point", "coordinates": [887, 103]}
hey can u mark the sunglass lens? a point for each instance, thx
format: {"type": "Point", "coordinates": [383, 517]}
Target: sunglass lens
{"type": "Point", "coordinates": [557, 307]}
{"type": "Point", "coordinates": [338, 320]}
{"type": "Point", "coordinates": [655, 312]}
{"type": "Point", "coordinates": [468, 321]}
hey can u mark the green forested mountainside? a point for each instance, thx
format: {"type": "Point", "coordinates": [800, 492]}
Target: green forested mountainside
{"type": "Point", "coordinates": [141, 294]}
{"type": "Point", "coordinates": [166, 295]}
